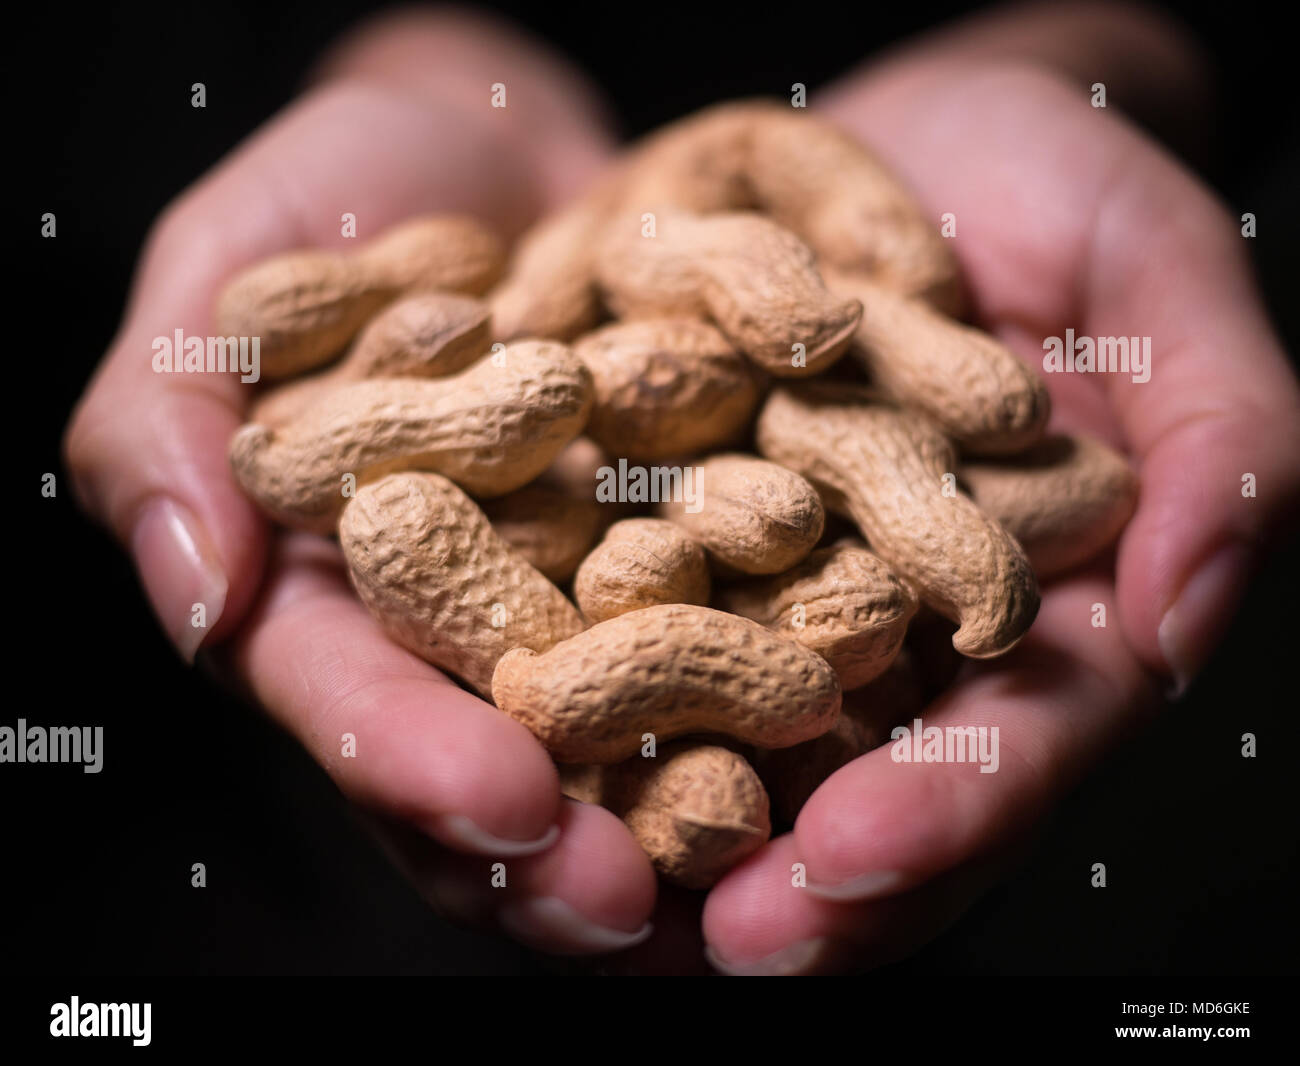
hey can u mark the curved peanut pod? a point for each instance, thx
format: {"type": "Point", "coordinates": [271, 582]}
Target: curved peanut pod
{"type": "Point", "coordinates": [696, 809]}
{"type": "Point", "coordinates": [698, 163]}
{"type": "Point", "coordinates": [753, 517]}
{"type": "Point", "coordinates": [809, 176]}
{"type": "Point", "coordinates": [665, 388]}
{"type": "Point", "coordinates": [843, 602]}
{"type": "Point", "coordinates": [640, 563]}
{"type": "Point", "coordinates": [549, 528]}
{"type": "Point", "coordinates": [429, 335]}
{"type": "Point", "coordinates": [886, 468]}
{"type": "Point", "coordinates": [667, 670]}
{"type": "Point", "coordinates": [443, 585]}
{"type": "Point", "coordinates": [980, 392]}
{"type": "Point", "coordinates": [753, 278]}
{"type": "Point", "coordinates": [826, 186]}
{"type": "Point", "coordinates": [491, 428]}
{"type": "Point", "coordinates": [550, 287]}
{"type": "Point", "coordinates": [868, 714]}
{"type": "Point", "coordinates": [1065, 500]}
{"type": "Point", "coordinates": [305, 306]}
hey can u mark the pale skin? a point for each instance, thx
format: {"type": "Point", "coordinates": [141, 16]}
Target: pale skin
{"type": "Point", "coordinates": [1068, 217]}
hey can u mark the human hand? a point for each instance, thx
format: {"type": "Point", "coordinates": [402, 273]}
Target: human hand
{"type": "Point", "coordinates": [397, 123]}
{"type": "Point", "coordinates": [1067, 217]}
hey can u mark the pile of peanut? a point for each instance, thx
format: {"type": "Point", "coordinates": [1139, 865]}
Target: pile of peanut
{"type": "Point", "coordinates": [859, 520]}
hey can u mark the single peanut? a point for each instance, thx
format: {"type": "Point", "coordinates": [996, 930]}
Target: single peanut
{"type": "Point", "coordinates": [753, 278]}
{"type": "Point", "coordinates": [491, 428]}
{"type": "Point", "coordinates": [894, 472]}
{"type": "Point", "coordinates": [981, 393]}
{"type": "Point", "coordinates": [696, 809]}
{"type": "Point", "coordinates": [753, 517]}
{"type": "Point", "coordinates": [666, 388]}
{"type": "Point", "coordinates": [668, 671]}
{"type": "Point", "coordinates": [429, 567]}
{"type": "Point", "coordinates": [305, 306]}
{"type": "Point", "coordinates": [1065, 500]}
{"type": "Point", "coordinates": [548, 527]}
{"type": "Point", "coordinates": [640, 563]}
{"type": "Point", "coordinates": [429, 335]}
{"type": "Point", "coordinates": [843, 602]}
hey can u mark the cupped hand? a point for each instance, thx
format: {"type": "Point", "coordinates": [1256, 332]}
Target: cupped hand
{"type": "Point", "coordinates": [1067, 217]}
{"type": "Point", "coordinates": [397, 122]}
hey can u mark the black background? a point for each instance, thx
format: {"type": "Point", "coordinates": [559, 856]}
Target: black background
{"type": "Point", "coordinates": [1200, 844]}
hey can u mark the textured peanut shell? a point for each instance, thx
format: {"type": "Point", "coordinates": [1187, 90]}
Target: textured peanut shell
{"type": "Point", "coordinates": [855, 611]}
{"type": "Point", "coordinates": [549, 528]}
{"type": "Point", "coordinates": [823, 184]}
{"type": "Point", "coordinates": [754, 517]}
{"type": "Point", "coordinates": [753, 278]}
{"type": "Point", "coordinates": [1065, 500]}
{"type": "Point", "coordinates": [550, 287]}
{"type": "Point", "coordinates": [696, 809]}
{"type": "Point", "coordinates": [428, 566]}
{"type": "Point", "coordinates": [868, 714]}
{"type": "Point", "coordinates": [807, 175]}
{"type": "Point", "coordinates": [429, 335]}
{"type": "Point", "coordinates": [668, 670]}
{"type": "Point", "coordinates": [981, 393]}
{"type": "Point", "coordinates": [306, 305]}
{"type": "Point", "coordinates": [491, 428]}
{"type": "Point", "coordinates": [640, 563]}
{"type": "Point", "coordinates": [886, 467]}
{"type": "Point", "coordinates": [665, 388]}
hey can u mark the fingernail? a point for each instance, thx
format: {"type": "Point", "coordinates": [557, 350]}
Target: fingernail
{"type": "Point", "coordinates": [798, 958]}
{"type": "Point", "coordinates": [181, 575]}
{"type": "Point", "coordinates": [868, 886]}
{"type": "Point", "coordinates": [548, 923]}
{"type": "Point", "coordinates": [457, 831]}
{"type": "Point", "coordinates": [1200, 614]}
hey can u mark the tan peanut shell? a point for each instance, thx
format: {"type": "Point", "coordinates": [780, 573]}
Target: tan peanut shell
{"type": "Point", "coordinates": [443, 585]}
{"type": "Point", "coordinates": [428, 335]}
{"type": "Point", "coordinates": [753, 278]}
{"type": "Point", "coordinates": [666, 388]}
{"type": "Point", "coordinates": [843, 602]}
{"type": "Point", "coordinates": [549, 528]}
{"type": "Point", "coordinates": [868, 714]}
{"type": "Point", "coordinates": [981, 393]}
{"type": "Point", "coordinates": [640, 563]}
{"type": "Point", "coordinates": [668, 670]}
{"type": "Point", "coordinates": [696, 809]}
{"type": "Point", "coordinates": [753, 516]}
{"type": "Point", "coordinates": [807, 175]}
{"type": "Point", "coordinates": [1065, 500]}
{"type": "Point", "coordinates": [491, 428]}
{"type": "Point", "coordinates": [306, 305]}
{"type": "Point", "coordinates": [887, 468]}
{"type": "Point", "coordinates": [550, 286]}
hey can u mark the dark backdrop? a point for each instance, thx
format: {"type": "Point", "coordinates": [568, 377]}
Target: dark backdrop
{"type": "Point", "coordinates": [1200, 843]}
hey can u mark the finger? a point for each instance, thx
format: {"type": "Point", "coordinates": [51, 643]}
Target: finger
{"type": "Point", "coordinates": [1153, 68]}
{"type": "Point", "coordinates": [591, 894]}
{"type": "Point", "coordinates": [1116, 240]}
{"type": "Point", "coordinates": [147, 450]}
{"type": "Point", "coordinates": [396, 736]}
{"type": "Point", "coordinates": [888, 822]}
{"type": "Point", "coordinates": [760, 922]}
{"type": "Point", "coordinates": [552, 108]}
